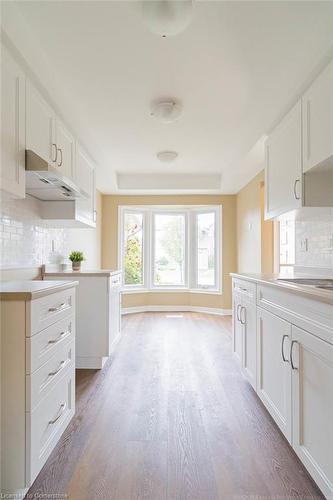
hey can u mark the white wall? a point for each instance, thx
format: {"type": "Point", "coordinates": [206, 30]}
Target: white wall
{"type": "Point", "coordinates": [27, 241]}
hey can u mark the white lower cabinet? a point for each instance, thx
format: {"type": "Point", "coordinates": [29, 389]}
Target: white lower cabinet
{"type": "Point", "coordinates": [294, 367]}
{"type": "Point", "coordinates": [37, 382]}
{"type": "Point", "coordinates": [312, 412]}
{"type": "Point", "coordinates": [273, 368]}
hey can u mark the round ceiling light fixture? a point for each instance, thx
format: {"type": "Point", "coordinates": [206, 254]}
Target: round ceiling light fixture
{"type": "Point", "coordinates": [167, 156]}
{"type": "Point", "coordinates": [166, 111]}
{"type": "Point", "coordinates": [167, 17]}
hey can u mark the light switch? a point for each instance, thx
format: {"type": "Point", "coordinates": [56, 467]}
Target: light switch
{"type": "Point", "coordinates": [304, 245]}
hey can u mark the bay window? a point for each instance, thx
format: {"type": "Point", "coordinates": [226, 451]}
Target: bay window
{"type": "Point", "coordinates": [176, 248]}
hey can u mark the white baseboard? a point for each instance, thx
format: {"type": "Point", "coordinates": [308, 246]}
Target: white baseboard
{"type": "Point", "coordinates": [206, 310]}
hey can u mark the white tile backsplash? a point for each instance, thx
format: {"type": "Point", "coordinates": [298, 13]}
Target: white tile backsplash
{"type": "Point", "coordinates": [314, 243]}
{"type": "Point", "coordinates": [25, 239]}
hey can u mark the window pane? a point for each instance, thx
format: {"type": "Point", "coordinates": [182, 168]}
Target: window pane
{"type": "Point", "coordinates": [169, 241]}
{"type": "Point", "coordinates": [206, 249]}
{"type": "Point", "coordinates": [133, 251]}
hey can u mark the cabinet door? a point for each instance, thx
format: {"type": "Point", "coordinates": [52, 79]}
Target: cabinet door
{"type": "Point", "coordinates": [248, 317]}
{"type": "Point", "coordinates": [312, 385]}
{"type": "Point", "coordinates": [85, 179]}
{"type": "Point", "coordinates": [13, 126]}
{"type": "Point", "coordinates": [273, 373]}
{"type": "Point", "coordinates": [318, 120]}
{"type": "Point", "coordinates": [114, 316]}
{"type": "Point", "coordinates": [65, 149]}
{"type": "Point", "coordinates": [40, 125]}
{"type": "Point", "coordinates": [237, 328]}
{"type": "Point", "coordinates": [284, 165]}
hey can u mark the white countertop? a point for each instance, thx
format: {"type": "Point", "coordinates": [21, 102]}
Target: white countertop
{"type": "Point", "coordinates": [84, 272]}
{"type": "Point", "coordinates": [32, 289]}
{"type": "Point", "coordinates": [305, 290]}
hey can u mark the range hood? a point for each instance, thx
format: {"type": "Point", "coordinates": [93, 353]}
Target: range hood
{"type": "Point", "coordinates": [45, 182]}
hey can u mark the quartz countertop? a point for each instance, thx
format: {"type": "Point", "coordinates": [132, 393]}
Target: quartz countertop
{"type": "Point", "coordinates": [306, 290]}
{"type": "Point", "coordinates": [32, 289]}
{"type": "Point", "coordinates": [84, 272]}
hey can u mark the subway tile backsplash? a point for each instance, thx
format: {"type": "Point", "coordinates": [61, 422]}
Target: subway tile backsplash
{"type": "Point", "coordinates": [25, 239]}
{"type": "Point", "coordinates": [314, 243]}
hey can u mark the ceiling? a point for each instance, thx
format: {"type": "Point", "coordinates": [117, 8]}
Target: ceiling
{"type": "Point", "coordinates": [236, 70]}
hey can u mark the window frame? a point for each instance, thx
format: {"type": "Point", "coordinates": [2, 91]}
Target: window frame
{"type": "Point", "coordinates": [190, 213]}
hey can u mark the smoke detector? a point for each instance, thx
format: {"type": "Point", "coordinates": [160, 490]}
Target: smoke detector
{"type": "Point", "coordinates": [167, 156]}
{"type": "Point", "coordinates": [167, 17]}
{"type": "Point", "coordinates": [166, 111]}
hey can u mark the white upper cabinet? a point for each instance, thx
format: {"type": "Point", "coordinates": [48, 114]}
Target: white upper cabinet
{"type": "Point", "coordinates": [284, 165]}
{"type": "Point", "coordinates": [65, 144]}
{"type": "Point", "coordinates": [85, 180]}
{"type": "Point", "coordinates": [13, 126]}
{"type": "Point", "coordinates": [40, 125]}
{"type": "Point", "coordinates": [318, 121]}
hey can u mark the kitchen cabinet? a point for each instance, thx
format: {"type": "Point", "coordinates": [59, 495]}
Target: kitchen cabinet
{"type": "Point", "coordinates": [37, 377]}
{"type": "Point", "coordinates": [273, 368]}
{"type": "Point", "coordinates": [312, 414]}
{"type": "Point", "coordinates": [40, 125]}
{"type": "Point", "coordinates": [85, 179]}
{"type": "Point", "coordinates": [283, 172]}
{"type": "Point", "coordinates": [317, 103]}
{"type": "Point", "coordinates": [12, 126]}
{"type": "Point", "coordinates": [65, 150]}
{"type": "Point", "coordinates": [98, 314]}
{"type": "Point", "coordinates": [244, 329]}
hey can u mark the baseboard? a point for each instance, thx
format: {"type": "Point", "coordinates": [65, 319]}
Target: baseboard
{"type": "Point", "coordinates": [206, 310]}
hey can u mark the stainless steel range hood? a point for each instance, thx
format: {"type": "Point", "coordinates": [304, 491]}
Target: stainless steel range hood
{"type": "Point", "coordinates": [45, 182]}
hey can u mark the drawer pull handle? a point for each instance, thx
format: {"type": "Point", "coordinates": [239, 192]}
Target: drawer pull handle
{"type": "Point", "coordinates": [282, 348]}
{"type": "Point", "coordinates": [62, 409]}
{"type": "Point", "coordinates": [291, 354]}
{"type": "Point", "coordinates": [55, 341]}
{"type": "Point", "coordinates": [243, 320]}
{"type": "Point", "coordinates": [58, 308]}
{"type": "Point", "coordinates": [51, 374]}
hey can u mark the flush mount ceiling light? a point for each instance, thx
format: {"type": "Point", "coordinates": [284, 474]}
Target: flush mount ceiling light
{"type": "Point", "coordinates": [166, 111]}
{"type": "Point", "coordinates": [167, 156]}
{"type": "Point", "coordinates": [167, 17]}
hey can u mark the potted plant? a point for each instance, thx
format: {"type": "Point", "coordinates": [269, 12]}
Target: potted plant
{"type": "Point", "coordinates": [76, 257]}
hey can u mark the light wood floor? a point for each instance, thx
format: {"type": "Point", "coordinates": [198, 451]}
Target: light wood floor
{"type": "Point", "coordinates": [170, 417]}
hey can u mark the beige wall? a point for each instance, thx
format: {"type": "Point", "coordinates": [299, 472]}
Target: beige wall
{"type": "Point", "coordinates": [254, 235]}
{"type": "Point", "coordinates": [110, 206]}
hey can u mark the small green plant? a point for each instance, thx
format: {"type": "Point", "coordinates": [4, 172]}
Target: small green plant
{"type": "Point", "coordinates": [76, 256]}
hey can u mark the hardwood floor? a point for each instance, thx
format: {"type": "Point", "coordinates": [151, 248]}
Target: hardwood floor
{"type": "Point", "coordinates": [170, 417]}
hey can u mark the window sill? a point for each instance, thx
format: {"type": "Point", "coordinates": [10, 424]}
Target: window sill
{"type": "Point", "coordinates": [127, 291]}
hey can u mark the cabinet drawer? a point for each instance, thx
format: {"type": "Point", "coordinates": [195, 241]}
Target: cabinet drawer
{"type": "Point", "coordinates": [43, 346]}
{"type": "Point", "coordinates": [245, 289]}
{"type": "Point", "coordinates": [47, 310]}
{"type": "Point", "coordinates": [311, 315]}
{"type": "Point", "coordinates": [39, 383]}
{"type": "Point", "coordinates": [46, 423]}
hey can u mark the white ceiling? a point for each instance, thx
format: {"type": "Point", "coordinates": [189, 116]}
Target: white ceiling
{"type": "Point", "coordinates": [236, 69]}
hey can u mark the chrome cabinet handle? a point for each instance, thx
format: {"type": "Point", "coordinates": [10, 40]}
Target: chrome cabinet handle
{"type": "Point", "coordinates": [62, 409]}
{"type": "Point", "coordinates": [282, 348]}
{"type": "Point", "coordinates": [243, 321]}
{"type": "Point", "coordinates": [58, 308]}
{"type": "Point", "coordinates": [291, 354]}
{"type": "Point", "coordinates": [55, 341]}
{"type": "Point", "coordinates": [54, 149]}
{"type": "Point", "coordinates": [51, 374]}
{"type": "Point", "coordinates": [295, 191]}
{"type": "Point", "coordinates": [60, 151]}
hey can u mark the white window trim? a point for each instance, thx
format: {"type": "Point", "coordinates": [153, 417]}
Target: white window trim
{"type": "Point", "coordinates": [190, 282]}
